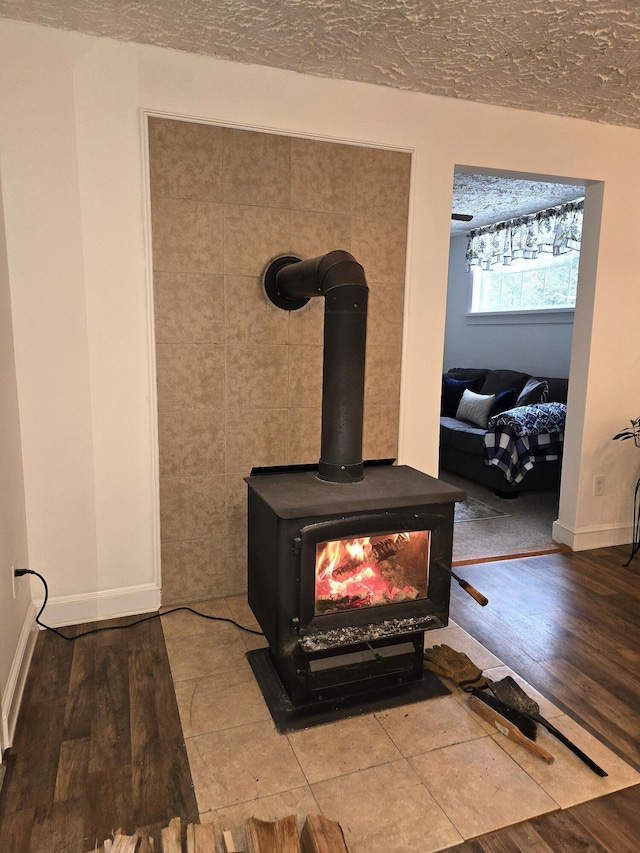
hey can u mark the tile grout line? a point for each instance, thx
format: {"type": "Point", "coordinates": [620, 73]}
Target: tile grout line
{"type": "Point", "coordinates": [405, 759]}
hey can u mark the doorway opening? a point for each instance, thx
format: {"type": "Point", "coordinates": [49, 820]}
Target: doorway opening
{"type": "Point", "coordinates": [502, 518]}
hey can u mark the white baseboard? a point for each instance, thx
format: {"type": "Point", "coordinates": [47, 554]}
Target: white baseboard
{"type": "Point", "coordinates": [12, 696]}
{"type": "Point", "coordinates": [586, 538]}
{"type": "Point", "coordinates": [91, 607]}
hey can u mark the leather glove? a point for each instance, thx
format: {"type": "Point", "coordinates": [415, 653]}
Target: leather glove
{"type": "Point", "coordinates": [445, 661]}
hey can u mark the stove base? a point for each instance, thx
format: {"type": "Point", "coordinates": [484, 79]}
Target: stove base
{"type": "Point", "coordinates": [288, 717]}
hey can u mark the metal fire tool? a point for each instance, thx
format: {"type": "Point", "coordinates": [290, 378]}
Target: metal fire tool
{"type": "Point", "coordinates": [466, 586]}
{"type": "Point", "coordinates": [510, 692]}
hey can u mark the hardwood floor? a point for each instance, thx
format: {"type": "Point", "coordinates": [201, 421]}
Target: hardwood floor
{"type": "Point", "coordinates": [99, 743]}
{"type": "Point", "coordinates": [569, 623]}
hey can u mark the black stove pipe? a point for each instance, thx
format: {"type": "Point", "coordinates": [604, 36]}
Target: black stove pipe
{"type": "Point", "coordinates": [340, 279]}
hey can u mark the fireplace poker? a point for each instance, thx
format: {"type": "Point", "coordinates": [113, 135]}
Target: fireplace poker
{"type": "Point", "coordinates": [466, 586]}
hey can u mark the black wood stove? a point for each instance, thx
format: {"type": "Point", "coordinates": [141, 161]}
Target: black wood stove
{"type": "Point", "coordinates": [348, 561]}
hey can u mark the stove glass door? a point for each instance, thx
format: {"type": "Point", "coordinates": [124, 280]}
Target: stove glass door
{"type": "Point", "coordinates": [387, 568]}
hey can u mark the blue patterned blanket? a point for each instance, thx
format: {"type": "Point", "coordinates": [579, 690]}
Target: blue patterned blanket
{"type": "Point", "coordinates": [517, 438]}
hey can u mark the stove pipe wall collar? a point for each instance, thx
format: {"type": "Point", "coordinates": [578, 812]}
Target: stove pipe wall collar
{"type": "Point", "coordinates": [290, 283]}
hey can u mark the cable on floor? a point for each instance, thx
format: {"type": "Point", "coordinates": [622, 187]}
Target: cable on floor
{"type": "Point", "coordinates": [20, 572]}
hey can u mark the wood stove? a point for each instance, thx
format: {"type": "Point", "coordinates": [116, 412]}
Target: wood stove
{"type": "Point", "coordinates": [348, 562]}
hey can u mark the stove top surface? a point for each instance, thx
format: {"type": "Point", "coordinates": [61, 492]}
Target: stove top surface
{"type": "Point", "coordinates": [298, 492]}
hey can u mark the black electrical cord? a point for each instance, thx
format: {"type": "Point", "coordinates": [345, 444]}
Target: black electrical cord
{"type": "Point", "coordinates": [20, 572]}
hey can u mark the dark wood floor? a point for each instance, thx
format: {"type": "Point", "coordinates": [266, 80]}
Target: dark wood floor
{"type": "Point", "coordinates": [99, 744]}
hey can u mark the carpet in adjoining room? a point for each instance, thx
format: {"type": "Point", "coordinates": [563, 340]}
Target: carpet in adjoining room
{"type": "Point", "coordinates": [488, 526]}
{"type": "Point", "coordinates": [474, 510]}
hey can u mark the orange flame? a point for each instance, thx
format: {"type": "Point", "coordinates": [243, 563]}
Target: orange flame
{"type": "Point", "coordinates": [347, 569]}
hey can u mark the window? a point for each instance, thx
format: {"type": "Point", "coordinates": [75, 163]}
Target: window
{"type": "Point", "coordinates": [546, 283]}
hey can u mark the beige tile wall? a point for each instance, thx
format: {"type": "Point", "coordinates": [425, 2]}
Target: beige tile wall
{"type": "Point", "coordinates": [239, 380]}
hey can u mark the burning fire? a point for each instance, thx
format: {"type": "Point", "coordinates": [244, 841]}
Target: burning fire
{"type": "Point", "coordinates": [348, 573]}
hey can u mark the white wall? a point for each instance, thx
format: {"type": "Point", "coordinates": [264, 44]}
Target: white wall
{"type": "Point", "coordinates": [542, 349]}
{"type": "Point", "coordinates": [73, 166]}
{"type": "Point", "coordinates": [17, 624]}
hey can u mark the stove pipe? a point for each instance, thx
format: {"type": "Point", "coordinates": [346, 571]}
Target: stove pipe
{"type": "Point", "coordinates": [290, 283]}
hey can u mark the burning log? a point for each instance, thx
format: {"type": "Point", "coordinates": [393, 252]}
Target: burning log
{"type": "Point", "coordinates": [352, 561]}
{"type": "Point", "coordinates": [346, 568]}
{"type": "Point", "coordinates": [330, 603]}
{"type": "Point", "coordinates": [407, 593]}
{"type": "Point", "coordinates": [390, 546]}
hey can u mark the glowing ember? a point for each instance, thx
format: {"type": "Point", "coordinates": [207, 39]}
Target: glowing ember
{"type": "Point", "coordinates": [363, 572]}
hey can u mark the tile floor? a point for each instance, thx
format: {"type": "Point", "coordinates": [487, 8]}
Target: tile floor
{"type": "Point", "coordinates": [422, 777]}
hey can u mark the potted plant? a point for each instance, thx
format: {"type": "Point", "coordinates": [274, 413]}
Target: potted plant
{"type": "Point", "coordinates": [633, 433]}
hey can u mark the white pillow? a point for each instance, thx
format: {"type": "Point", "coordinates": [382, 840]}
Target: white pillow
{"type": "Point", "coordinates": [475, 408]}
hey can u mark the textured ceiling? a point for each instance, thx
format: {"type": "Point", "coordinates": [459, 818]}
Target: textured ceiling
{"type": "Point", "coordinates": [576, 58]}
{"type": "Point", "coordinates": [490, 199]}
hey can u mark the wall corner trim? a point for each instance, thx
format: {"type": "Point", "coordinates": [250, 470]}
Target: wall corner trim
{"type": "Point", "coordinates": [12, 696]}
{"type": "Point", "coordinates": [587, 538]}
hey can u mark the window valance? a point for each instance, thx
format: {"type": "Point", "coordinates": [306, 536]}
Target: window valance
{"type": "Point", "coordinates": [556, 230]}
